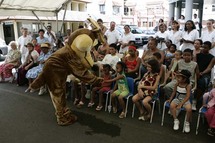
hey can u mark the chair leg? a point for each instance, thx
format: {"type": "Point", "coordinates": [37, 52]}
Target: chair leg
{"type": "Point", "coordinates": [164, 107]}
{"type": "Point", "coordinates": [126, 107]}
{"type": "Point", "coordinates": [197, 125]}
{"type": "Point", "coordinates": [159, 106]}
{"type": "Point", "coordinates": [133, 110]}
{"type": "Point", "coordinates": [109, 106]}
{"type": "Point", "coordinates": [152, 112]}
{"type": "Point", "coordinates": [184, 122]}
{"type": "Point", "coordinates": [106, 102]}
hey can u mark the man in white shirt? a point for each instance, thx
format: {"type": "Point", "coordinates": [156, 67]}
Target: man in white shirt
{"type": "Point", "coordinates": [22, 41]}
{"type": "Point", "coordinates": [126, 37]}
{"type": "Point", "coordinates": [196, 21]}
{"type": "Point", "coordinates": [112, 34]}
{"type": "Point", "coordinates": [50, 35]}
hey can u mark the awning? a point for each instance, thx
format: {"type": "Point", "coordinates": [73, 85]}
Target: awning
{"type": "Point", "coordinates": [25, 7]}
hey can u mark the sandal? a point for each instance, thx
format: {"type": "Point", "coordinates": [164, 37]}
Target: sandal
{"type": "Point", "coordinates": [114, 110]}
{"type": "Point", "coordinates": [90, 104]}
{"type": "Point", "coordinates": [99, 108]}
{"type": "Point", "coordinates": [80, 104]}
{"type": "Point", "coordinates": [147, 117]}
{"type": "Point", "coordinates": [122, 115]}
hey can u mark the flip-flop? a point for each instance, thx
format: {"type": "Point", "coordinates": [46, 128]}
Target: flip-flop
{"type": "Point", "coordinates": [99, 108]}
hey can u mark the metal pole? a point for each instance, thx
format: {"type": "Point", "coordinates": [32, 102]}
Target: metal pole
{"type": "Point", "coordinates": [65, 9]}
{"type": "Point", "coordinates": [57, 19]}
{"type": "Point", "coordinates": [39, 20]}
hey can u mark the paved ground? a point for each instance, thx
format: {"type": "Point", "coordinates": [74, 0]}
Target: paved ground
{"type": "Point", "coordinates": [29, 118]}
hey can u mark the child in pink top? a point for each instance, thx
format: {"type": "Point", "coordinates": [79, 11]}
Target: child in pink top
{"type": "Point", "coordinates": [210, 114]}
{"type": "Point", "coordinates": [104, 87]}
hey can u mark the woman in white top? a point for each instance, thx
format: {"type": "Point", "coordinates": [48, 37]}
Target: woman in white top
{"type": "Point", "coordinates": [126, 37]}
{"type": "Point", "coordinates": [189, 35]}
{"type": "Point", "coordinates": [161, 36]}
{"type": "Point", "coordinates": [175, 35]}
{"type": "Point", "coordinates": [208, 34]}
{"type": "Point", "coordinates": [182, 23]}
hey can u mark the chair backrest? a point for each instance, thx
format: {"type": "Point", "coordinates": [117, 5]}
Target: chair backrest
{"type": "Point", "coordinates": [130, 85]}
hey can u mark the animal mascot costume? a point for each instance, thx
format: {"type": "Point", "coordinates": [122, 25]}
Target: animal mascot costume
{"type": "Point", "coordinates": [74, 58]}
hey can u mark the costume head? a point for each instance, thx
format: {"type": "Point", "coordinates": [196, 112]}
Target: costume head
{"type": "Point", "coordinates": [82, 40]}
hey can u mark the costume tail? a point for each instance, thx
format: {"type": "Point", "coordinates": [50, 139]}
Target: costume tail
{"type": "Point", "coordinates": [38, 82]}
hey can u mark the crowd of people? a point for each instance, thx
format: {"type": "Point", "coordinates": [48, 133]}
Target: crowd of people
{"type": "Point", "coordinates": [185, 58]}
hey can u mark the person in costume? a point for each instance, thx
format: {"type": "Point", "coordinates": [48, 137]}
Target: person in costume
{"type": "Point", "coordinates": [74, 58]}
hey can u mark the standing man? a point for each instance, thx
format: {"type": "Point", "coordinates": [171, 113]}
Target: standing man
{"type": "Point", "coordinates": [112, 34]}
{"type": "Point", "coordinates": [196, 21]}
{"type": "Point", "coordinates": [50, 35]}
{"type": "Point", "coordinates": [22, 41]}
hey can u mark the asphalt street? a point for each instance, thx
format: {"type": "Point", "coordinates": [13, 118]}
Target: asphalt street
{"type": "Point", "coordinates": [29, 118]}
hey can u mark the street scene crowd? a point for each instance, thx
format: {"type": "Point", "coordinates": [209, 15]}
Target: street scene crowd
{"type": "Point", "coordinates": [177, 64]}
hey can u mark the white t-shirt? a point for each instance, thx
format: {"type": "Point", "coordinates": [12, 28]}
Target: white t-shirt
{"type": "Point", "coordinates": [111, 60]}
{"type": "Point", "coordinates": [208, 36]}
{"type": "Point", "coordinates": [161, 45]}
{"type": "Point", "coordinates": [193, 35]}
{"type": "Point", "coordinates": [175, 37]}
{"type": "Point", "coordinates": [182, 24]}
{"type": "Point", "coordinates": [50, 38]}
{"type": "Point", "coordinates": [34, 54]}
{"type": "Point", "coordinates": [22, 41]}
{"type": "Point", "coordinates": [112, 36]}
{"type": "Point", "coordinates": [125, 39]}
{"type": "Point", "coordinates": [196, 20]}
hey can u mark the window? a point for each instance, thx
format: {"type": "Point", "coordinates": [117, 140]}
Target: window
{"type": "Point", "coordinates": [213, 7]}
{"type": "Point", "coordinates": [116, 9]}
{"type": "Point", "coordinates": [102, 8]}
{"type": "Point", "coordinates": [126, 10]}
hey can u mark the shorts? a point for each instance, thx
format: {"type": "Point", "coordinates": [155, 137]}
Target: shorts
{"type": "Point", "coordinates": [177, 101]}
{"type": "Point", "coordinates": [104, 89]}
{"type": "Point", "coordinates": [121, 93]}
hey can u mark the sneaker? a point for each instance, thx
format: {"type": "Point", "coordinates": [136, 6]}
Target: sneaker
{"type": "Point", "coordinates": [141, 118]}
{"type": "Point", "coordinates": [122, 115]}
{"type": "Point", "coordinates": [194, 105]}
{"type": "Point", "coordinates": [176, 124]}
{"type": "Point", "coordinates": [90, 104]}
{"type": "Point", "coordinates": [187, 127]}
{"type": "Point", "coordinates": [211, 132]}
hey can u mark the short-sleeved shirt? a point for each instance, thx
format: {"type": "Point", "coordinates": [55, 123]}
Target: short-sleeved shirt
{"type": "Point", "coordinates": [125, 39]}
{"type": "Point", "coordinates": [193, 35]}
{"type": "Point", "coordinates": [203, 60]}
{"type": "Point", "coordinates": [191, 66]}
{"type": "Point", "coordinates": [41, 41]}
{"type": "Point", "coordinates": [112, 36]}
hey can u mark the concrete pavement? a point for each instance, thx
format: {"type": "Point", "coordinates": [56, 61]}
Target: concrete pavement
{"type": "Point", "coordinates": [29, 118]}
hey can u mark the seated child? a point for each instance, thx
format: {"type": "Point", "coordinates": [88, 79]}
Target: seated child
{"type": "Point", "coordinates": [146, 89]}
{"type": "Point", "coordinates": [170, 54]}
{"type": "Point", "coordinates": [210, 114]}
{"type": "Point", "coordinates": [180, 98]}
{"type": "Point", "coordinates": [172, 66]}
{"type": "Point", "coordinates": [104, 87]}
{"type": "Point", "coordinates": [121, 89]}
